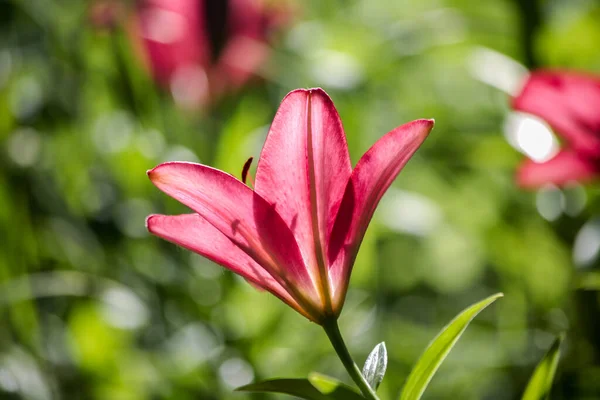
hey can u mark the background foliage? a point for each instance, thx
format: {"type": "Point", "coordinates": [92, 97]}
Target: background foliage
{"type": "Point", "coordinates": [92, 307]}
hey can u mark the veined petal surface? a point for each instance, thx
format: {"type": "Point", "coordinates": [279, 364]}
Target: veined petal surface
{"type": "Point", "coordinates": [194, 233]}
{"type": "Point", "coordinates": [374, 173]}
{"type": "Point", "coordinates": [242, 216]}
{"type": "Point", "coordinates": [303, 169]}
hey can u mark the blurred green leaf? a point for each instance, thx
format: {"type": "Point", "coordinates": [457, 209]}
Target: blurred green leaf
{"type": "Point", "coordinates": [439, 348]}
{"type": "Point", "coordinates": [375, 366]}
{"type": "Point", "coordinates": [540, 383]}
{"type": "Point", "coordinates": [327, 385]}
{"type": "Point", "coordinates": [316, 387]}
{"type": "Point", "coordinates": [588, 281]}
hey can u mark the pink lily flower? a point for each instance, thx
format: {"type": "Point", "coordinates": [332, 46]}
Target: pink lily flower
{"type": "Point", "coordinates": [570, 103]}
{"type": "Point", "coordinates": [297, 233]}
{"type": "Point", "coordinates": [175, 39]}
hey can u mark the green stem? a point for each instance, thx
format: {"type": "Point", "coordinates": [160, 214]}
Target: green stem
{"type": "Point", "coordinates": [335, 337]}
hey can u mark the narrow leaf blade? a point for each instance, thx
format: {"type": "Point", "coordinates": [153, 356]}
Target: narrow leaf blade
{"type": "Point", "coordinates": [317, 387]}
{"type": "Point", "coordinates": [540, 383]}
{"type": "Point", "coordinates": [439, 348]}
{"type": "Point", "coordinates": [375, 366]}
{"type": "Point", "coordinates": [328, 385]}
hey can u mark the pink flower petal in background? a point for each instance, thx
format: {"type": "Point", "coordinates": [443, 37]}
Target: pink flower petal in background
{"type": "Point", "coordinates": [570, 103]}
{"type": "Point", "coordinates": [246, 48]}
{"type": "Point", "coordinates": [174, 36]}
{"type": "Point", "coordinates": [566, 166]}
{"type": "Point", "coordinates": [180, 41]}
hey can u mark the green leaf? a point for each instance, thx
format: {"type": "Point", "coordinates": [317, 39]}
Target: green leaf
{"type": "Point", "coordinates": [327, 385]}
{"type": "Point", "coordinates": [439, 348]}
{"type": "Point", "coordinates": [540, 383]}
{"type": "Point", "coordinates": [316, 387]}
{"type": "Point", "coordinates": [588, 281]}
{"type": "Point", "coordinates": [375, 366]}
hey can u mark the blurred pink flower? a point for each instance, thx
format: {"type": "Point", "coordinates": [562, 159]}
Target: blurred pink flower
{"type": "Point", "coordinates": [297, 233]}
{"type": "Point", "coordinates": [570, 103]}
{"type": "Point", "coordinates": [201, 49]}
{"type": "Point", "coordinates": [106, 14]}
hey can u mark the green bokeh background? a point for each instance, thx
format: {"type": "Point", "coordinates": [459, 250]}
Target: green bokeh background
{"type": "Point", "coordinates": [93, 307]}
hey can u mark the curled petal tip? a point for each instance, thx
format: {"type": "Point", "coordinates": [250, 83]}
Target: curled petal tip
{"type": "Point", "coordinates": [148, 222]}
{"type": "Point", "coordinates": [164, 170]}
{"type": "Point", "coordinates": [425, 126]}
{"type": "Point", "coordinates": [152, 172]}
{"type": "Point", "coordinates": [427, 121]}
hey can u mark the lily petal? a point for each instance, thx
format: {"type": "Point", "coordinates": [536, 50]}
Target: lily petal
{"type": "Point", "coordinates": [242, 216]}
{"type": "Point", "coordinates": [563, 168]}
{"type": "Point", "coordinates": [173, 35]}
{"type": "Point", "coordinates": [567, 101]}
{"type": "Point", "coordinates": [246, 48]}
{"type": "Point", "coordinates": [303, 170]}
{"type": "Point", "coordinates": [372, 176]}
{"type": "Point", "coordinates": [196, 234]}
